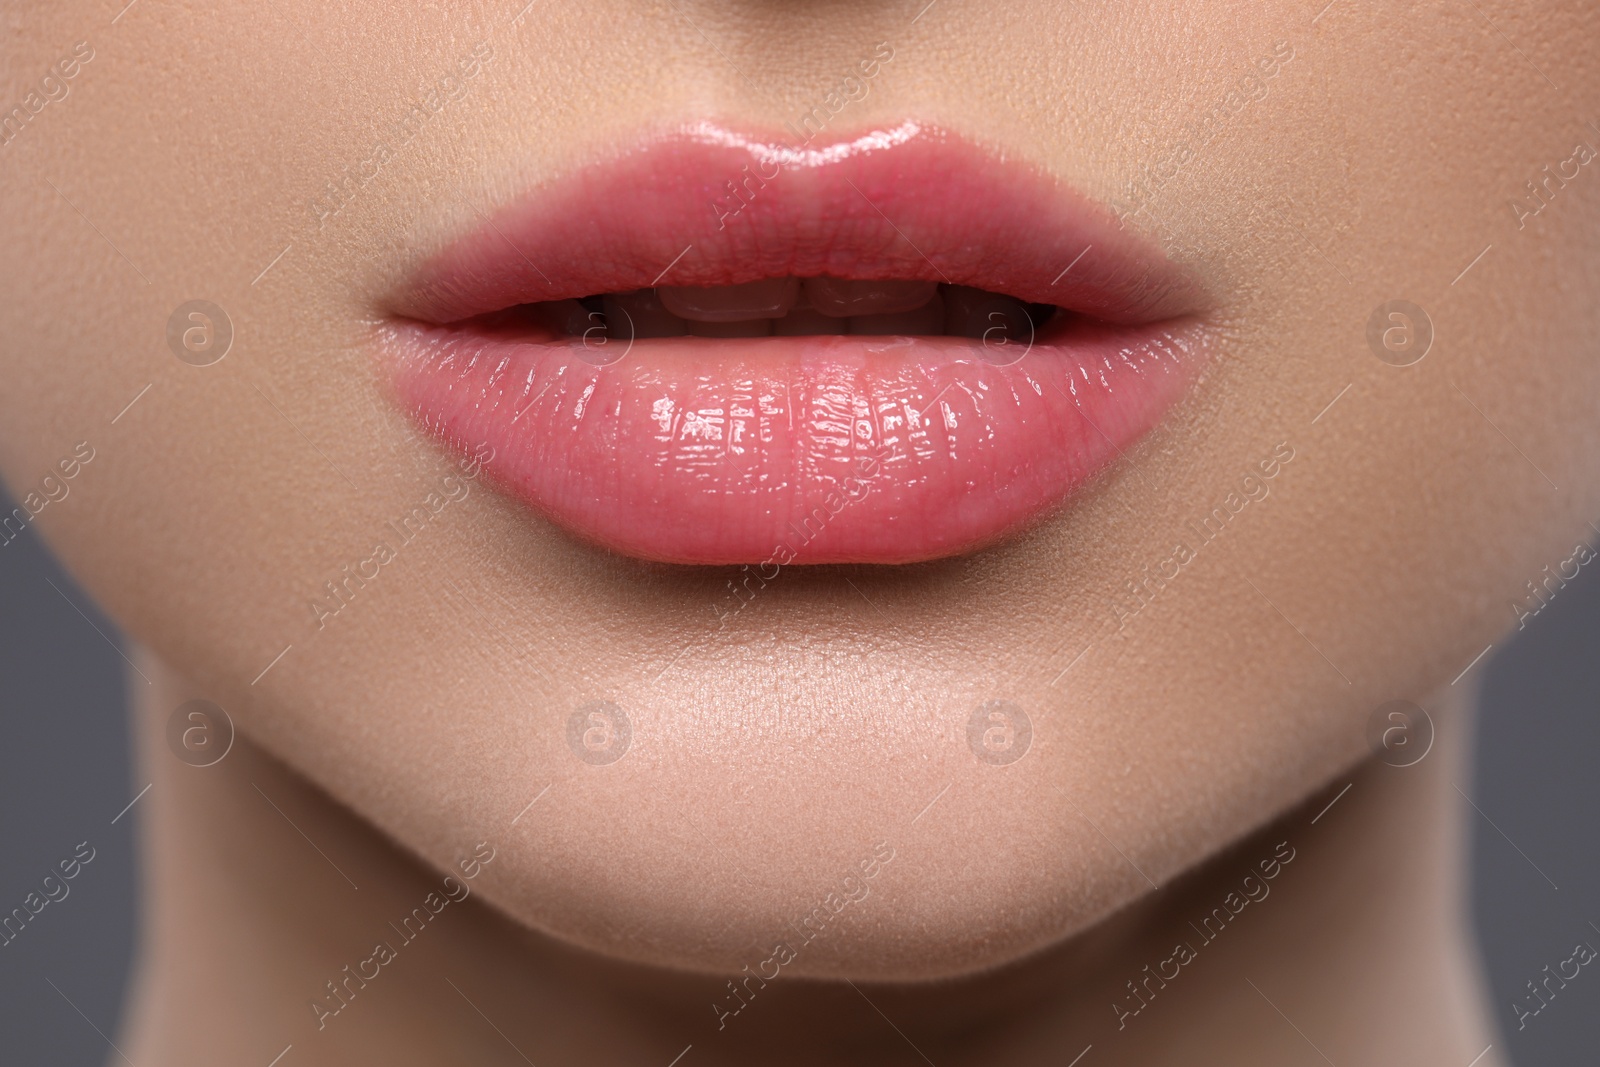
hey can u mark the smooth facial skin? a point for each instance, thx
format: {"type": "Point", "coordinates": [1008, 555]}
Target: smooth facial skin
{"type": "Point", "coordinates": [772, 752]}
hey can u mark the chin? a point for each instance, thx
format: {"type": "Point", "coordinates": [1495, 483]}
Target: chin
{"type": "Point", "coordinates": [809, 847]}
{"type": "Point", "coordinates": [869, 911]}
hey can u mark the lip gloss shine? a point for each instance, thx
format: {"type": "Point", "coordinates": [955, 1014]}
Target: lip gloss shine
{"type": "Point", "coordinates": [817, 448]}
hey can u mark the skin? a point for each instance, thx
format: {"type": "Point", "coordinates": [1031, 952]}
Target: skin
{"type": "Point", "coordinates": [771, 756]}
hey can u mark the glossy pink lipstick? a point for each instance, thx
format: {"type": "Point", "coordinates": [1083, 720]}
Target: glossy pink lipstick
{"type": "Point", "coordinates": [808, 409]}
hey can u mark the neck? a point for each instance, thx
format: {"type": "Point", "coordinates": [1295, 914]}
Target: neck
{"type": "Point", "coordinates": [264, 899]}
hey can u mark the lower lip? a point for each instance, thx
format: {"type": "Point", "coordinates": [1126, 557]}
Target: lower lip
{"type": "Point", "coordinates": [796, 449]}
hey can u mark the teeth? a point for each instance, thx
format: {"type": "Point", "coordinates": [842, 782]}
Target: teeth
{"type": "Point", "coordinates": [769, 298]}
{"type": "Point", "coordinates": [796, 307]}
{"type": "Point", "coordinates": [921, 322]}
{"type": "Point", "coordinates": [992, 316]}
{"type": "Point", "coordinates": [802, 322]}
{"type": "Point", "coordinates": [745, 328]}
{"type": "Point", "coordinates": [642, 308]}
{"type": "Point", "coordinates": [565, 317]}
{"type": "Point", "coordinates": [845, 297]}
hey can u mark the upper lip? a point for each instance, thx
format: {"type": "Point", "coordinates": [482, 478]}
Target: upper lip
{"type": "Point", "coordinates": [742, 209]}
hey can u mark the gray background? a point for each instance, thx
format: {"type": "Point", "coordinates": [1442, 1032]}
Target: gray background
{"type": "Point", "coordinates": [64, 776]}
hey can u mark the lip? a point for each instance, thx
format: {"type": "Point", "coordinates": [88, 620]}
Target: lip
{"type": "Point", "coordinates": [811, 449]}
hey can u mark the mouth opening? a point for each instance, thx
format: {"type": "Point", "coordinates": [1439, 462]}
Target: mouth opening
{"type": "Point", "coordinates": [788, 307]}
